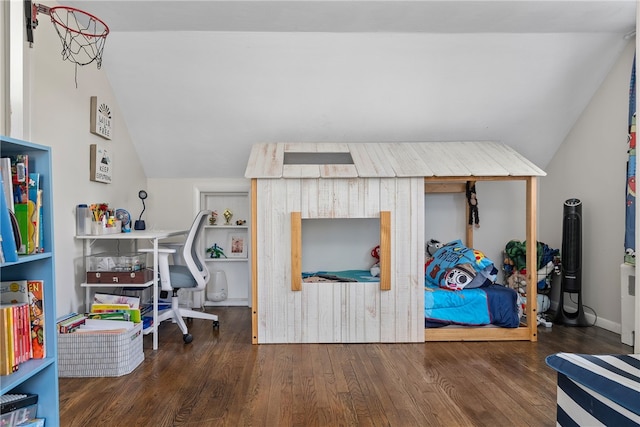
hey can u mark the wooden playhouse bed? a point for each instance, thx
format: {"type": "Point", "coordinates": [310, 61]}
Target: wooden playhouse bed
{"type": "Point", "coordinates": [380, 180]}
{"type": "Point", "coordinates": [488, 333]}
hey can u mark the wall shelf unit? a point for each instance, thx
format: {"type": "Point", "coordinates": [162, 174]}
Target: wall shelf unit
{"type": "Point", "coordinates": [37, 376]}
{"type": "Point", "coordinates": [234, 239]}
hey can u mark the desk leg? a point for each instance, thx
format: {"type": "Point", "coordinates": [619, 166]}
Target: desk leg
{"type": "Point", "coordinates": [86, 247]}
{"type": "Point", "coordinates": [155, 294]}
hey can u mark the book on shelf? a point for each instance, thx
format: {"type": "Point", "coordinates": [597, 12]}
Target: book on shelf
{"type": "Point", "coordinates": [17, 327]}
{"type": "Point", "coordinates": [8, 364]}
{"type": "Point", "coordinates": [5, 173]}
{"type": "Point", "coordinates": [12, 291]}
{"type": "Point", "coordinates": [24, 319]}
{"type": "Point", "coordinates": [9, 247]}
{"type": "Point", "coordinates": [35, 207]}
{"type": "Point", "coordinates": [15, 293]}
{"type": "Point", "coordinates": [36, 305]}
{"type": "Point", "coordinates": [20, 177]}
{"type": "Point", "coordinates": [27, 213]}
{"type": "Point", "coordinates": [22, 216]}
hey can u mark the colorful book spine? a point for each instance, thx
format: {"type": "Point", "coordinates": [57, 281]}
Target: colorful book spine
{"type": "Point", "coordinates": [36, 305]}
{"type": "Point", "coordinates": [34, 212]}
{"type": "Point", "coordinates": [20, 178]}
{"type": "Point", "coordinates": [134, 313]}
{"type": "Point", "coordinates": [7, 362]}
{"type": "Point", "coordinates": [7, 186]}
{"type": "Point", "coordinates": [26, 336]}
{"type": "Point", "coordinates": [14, 294]}
{"type": "Point", "coordinates": [69, 325]}
{"type": "Point", "coordinates": [9, 247]}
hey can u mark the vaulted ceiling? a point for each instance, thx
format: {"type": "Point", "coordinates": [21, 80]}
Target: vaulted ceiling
{"type": "Point", "coordinates": [199, 82]}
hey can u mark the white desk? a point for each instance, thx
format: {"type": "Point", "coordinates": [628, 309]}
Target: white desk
{"type": "Point", "coordinates": [154, 236]}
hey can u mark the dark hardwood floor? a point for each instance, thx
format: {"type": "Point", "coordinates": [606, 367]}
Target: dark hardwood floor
{"type": "Point", "coordinates": [221, 379]}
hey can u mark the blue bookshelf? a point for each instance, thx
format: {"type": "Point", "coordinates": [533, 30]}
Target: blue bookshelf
{"type": "Point", "coordinates": [37, 376]}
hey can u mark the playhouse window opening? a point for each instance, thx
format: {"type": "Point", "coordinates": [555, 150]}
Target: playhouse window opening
{"type": "Point", "coordinates": [291, 158]}
{"type": "Point", "coordinates": [340, 244]}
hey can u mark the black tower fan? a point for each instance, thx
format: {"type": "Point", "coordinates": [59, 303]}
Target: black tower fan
{"type": "Point", "coordinates": [571, 265]}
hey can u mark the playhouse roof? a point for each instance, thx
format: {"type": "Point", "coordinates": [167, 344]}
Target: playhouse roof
{"type": "Point", "coordinates": [384, 160]}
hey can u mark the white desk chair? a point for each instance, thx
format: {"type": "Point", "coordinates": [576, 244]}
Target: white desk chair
{"type": "Point", "coordinates": [192, 276]}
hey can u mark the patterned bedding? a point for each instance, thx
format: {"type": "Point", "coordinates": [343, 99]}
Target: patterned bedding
{"type": "Point", "coordinates": [460, 289]}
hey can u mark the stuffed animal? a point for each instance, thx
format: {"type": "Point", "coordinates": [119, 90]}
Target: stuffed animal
{"type": "Point", "coordinates": [472, 199]}
{"type": "Point", "coordinates": [517, 281]}
{"type": "Point", "coordinates": [375, 268]}
{"type": "Point", "coordinates": [431, 247]}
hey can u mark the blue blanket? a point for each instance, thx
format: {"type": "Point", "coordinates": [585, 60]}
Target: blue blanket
{"type": "Point", "coordinates": [340, 276]}
{"type": "Point", "coordinates": [493, 304]}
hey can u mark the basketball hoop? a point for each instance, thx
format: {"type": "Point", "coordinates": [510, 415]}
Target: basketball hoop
{"type": "Point", "coordinates": [82, 34]}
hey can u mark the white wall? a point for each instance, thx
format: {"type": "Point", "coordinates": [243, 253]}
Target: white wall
{"type": "Point", "coordinates": [591, 165]}
{"type": "Point", "coordinates": [59, 117]}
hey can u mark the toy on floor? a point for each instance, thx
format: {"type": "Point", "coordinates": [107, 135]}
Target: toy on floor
{"type": "Point", "coordinates": [548, 265]}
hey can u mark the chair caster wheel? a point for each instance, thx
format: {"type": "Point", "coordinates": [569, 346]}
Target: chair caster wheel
{"type": "Point", "coordinates": [187, 338]}
{"type": "Point", "coordinates": [216, 324]}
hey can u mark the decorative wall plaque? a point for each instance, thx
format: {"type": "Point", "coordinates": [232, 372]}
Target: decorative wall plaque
{"type": "Point", "coordinates": [100, 164]}
{"type": "Point", "coordinates": [101, 120]}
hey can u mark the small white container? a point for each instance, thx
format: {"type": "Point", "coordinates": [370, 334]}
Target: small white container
{"type": "Point", "coordinates": [83, 220]}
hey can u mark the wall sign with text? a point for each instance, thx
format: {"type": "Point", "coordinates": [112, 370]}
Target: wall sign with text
{"type": "Point", "coordinates": [101, 120]}
{"type": "Point", "coordinates": [101, 164]}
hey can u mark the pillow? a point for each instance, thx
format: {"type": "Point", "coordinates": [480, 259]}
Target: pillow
{"type": "Point", "coordinates": [455, 266]}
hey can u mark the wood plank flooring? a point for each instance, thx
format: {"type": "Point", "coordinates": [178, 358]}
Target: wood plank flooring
{"type": "Point", "coordinates": [221, 379]}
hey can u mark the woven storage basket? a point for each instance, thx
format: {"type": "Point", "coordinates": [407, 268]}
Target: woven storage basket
{"type": "Point", "coordinates": [100, 354]}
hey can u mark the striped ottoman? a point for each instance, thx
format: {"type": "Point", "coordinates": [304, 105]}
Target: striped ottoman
{"type": "Point", "coordinates": [597, 390]}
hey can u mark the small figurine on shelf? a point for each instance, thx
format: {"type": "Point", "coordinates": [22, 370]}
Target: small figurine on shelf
{"type": "Point", "coordinates": [216, 251]}
{"type": "Point", "coordinates": [241, 222]}
{"type": "Point", "coordinates": [227, 216]}
{"type": "Point", "coordinates": [213, 218]}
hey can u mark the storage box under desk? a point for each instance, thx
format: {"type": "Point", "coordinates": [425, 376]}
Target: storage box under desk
{"type": "Point", "coordinates": [120, 278]}
{"type": "Point", "coordinates": [99, 353]}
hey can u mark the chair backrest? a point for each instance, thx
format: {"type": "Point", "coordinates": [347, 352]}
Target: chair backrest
{"type": "Point", "coordinates": [193, 254]}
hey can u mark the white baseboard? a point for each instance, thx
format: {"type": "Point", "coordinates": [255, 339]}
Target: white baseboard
{"type": "Point", "coordinates": [600, 322]}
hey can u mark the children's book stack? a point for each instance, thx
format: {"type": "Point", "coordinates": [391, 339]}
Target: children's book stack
{"type": "Point", "coordinates": [21, 323]}
{"type": "Point", "coordinates": [21, 207]}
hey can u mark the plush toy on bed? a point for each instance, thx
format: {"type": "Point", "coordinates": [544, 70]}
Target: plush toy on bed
{"type": "Point", "coordinates": [431, 247]}
{"type": "Point", "coordinates": [375, 268]}
{"type": "Point", "coordinates": [455, 266]}
{"type": "Point", "coordinates": [458, 277]}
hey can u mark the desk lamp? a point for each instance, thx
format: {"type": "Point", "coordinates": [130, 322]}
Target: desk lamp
{"type": "Point", "coordinates": [139, 224]}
